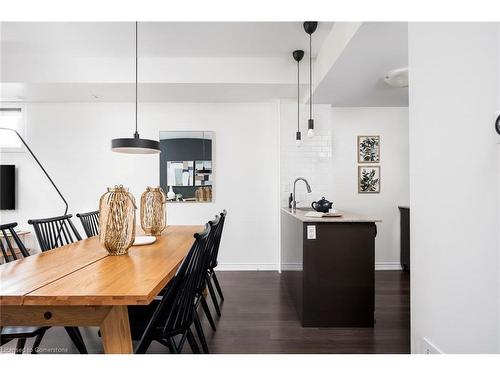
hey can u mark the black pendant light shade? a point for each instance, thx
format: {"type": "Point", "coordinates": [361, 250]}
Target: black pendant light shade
{"type": "Point", "coordinates": [135, 145]}
{"type": "Point", "coordinates": [310, 27]}
{"type": "Point", "coordinates": [310, 124]}
{"type": "Point", "coordinates": [298, 55]}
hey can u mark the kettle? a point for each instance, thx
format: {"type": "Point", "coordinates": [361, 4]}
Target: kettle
{"type": "Point", "coordinates": [322, 205]}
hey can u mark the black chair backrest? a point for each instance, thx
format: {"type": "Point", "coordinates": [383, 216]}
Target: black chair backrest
{"type": "Point", "coordinates": [90, 223]}
{"type": "Point", "coordinates": [217, 237]}
{"type": "Point", "coordinates": [6, 245]}
{"type": "Point", "coordinates": [209, 246]}
{"type": "Point", "coordinates": [55, 232]}
{"type": "Point", "coordinates": [175, 312]}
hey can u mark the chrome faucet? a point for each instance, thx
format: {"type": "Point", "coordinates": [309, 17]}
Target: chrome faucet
{"type": "Point", "coordinates": [294, 202]}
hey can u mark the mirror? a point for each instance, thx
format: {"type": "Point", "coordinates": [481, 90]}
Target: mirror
{"type": "Point", "coordinates": [186, 165]}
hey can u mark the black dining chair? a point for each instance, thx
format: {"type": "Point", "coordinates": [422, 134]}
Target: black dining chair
{"type": "Point", "coordinates": [8, 249]}
{"type": "Point", "coordinates": [214, 253]}
{"type": "Point", "coordinates": [54, 232]}
{"type": "Point", "coordinates": [51, 233]}
{"type": "Point", "coordinates": [22, 333]}
{"type": "Point", "coordinates": [202, 285]}
{"type": "Point", "coordinates": [174, 313]}
{"type": "Point", "coordinates": [10, 254]}
{"type": "Point", "coordinates": [90, 222]}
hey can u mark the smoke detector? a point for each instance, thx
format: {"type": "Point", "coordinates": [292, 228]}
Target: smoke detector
{"type": "Point", "coordinates": [397, 77]}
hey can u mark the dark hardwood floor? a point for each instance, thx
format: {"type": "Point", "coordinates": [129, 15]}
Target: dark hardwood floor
{"type": "Point", "coordinates": [258, 317]}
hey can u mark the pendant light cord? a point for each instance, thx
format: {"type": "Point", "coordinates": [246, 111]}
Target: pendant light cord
{"type": "Point", "coordinates": [310, 76]}
{"type": "Point", "coordinates": [136, 133]}
{"type": "Point", "coordinates": [298, 96]}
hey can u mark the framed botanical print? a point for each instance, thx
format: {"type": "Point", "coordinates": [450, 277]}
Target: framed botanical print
{"type": "Point", "coordinates": [369, 179]}
{"type": "Point", "coordinates": [368, 149]}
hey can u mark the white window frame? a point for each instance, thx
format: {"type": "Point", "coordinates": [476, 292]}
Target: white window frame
{"type": "Point", "coordinates": [22, 129]}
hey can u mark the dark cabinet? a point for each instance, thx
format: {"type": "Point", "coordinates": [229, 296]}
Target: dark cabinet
{"type": "Point", "coordinates": [405, 237]}
{"type": "Point", "coordinates": [332, 281]}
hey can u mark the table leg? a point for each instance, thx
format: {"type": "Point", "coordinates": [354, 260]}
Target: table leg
{"type": "Point", "coordinates": [115, 331]}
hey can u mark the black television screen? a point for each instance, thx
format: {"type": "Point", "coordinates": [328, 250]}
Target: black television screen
{"type": "Point", "coordinates": [7, 187]}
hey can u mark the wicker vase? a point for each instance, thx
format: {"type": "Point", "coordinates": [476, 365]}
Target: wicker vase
{"type": "Point", "coordinates": [153, 211]}
{"type": "Point", "coordinates": [117, 220]}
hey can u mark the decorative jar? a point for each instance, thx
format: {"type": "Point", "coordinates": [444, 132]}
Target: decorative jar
{"type": "Point", "coordinates": [117, 220]}
{"type": "Point", "coordinates": [153, 211]}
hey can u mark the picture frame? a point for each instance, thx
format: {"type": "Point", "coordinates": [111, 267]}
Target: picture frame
{"type": "Point", "coordinates": [368, 149]}
{"type": "Point", "coordinates": [369, 179]}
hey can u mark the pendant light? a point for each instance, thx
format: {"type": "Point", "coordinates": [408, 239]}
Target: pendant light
{"type": "Point", "coordinates": [297, 56]}
{"type": "Point", "coordinates": [135, 145]}
{"type": "Point", "coordinates": [310, 27]}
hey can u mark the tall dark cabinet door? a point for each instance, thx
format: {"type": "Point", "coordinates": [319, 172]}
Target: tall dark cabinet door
{"type": "Point", "coordinates": [405, 237]}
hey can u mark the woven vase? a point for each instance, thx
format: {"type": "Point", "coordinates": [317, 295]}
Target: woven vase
{"type": "Point", "coordinates": [153, 211]}
{"type": "Point", "coordinates": [117, 220]}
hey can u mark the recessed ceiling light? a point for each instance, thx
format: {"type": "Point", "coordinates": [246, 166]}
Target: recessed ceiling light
{"type": "Point", "coordinates": [397, 77]}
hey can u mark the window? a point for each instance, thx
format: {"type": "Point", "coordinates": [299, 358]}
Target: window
{"type": "Point", "coordinates": [11, 117]}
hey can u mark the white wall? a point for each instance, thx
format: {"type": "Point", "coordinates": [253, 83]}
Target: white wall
{"type": "Point", "coordinates": [454, 165]}
{"type": "Point", "coordinates": [329, 162]}
{"type": "Point", "coordinates": [73, 142]}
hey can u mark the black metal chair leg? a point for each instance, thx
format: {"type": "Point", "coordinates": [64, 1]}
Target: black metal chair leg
{"type": "Point", "coordinates": [20, 345]}
{"type": "Point", "coordinates": [79, 333]}
{"type": "Point", "coordinates": [143, 346]}
{"type": "Point", "coordinates": [217, 285]}
{"type": "Point", "coordinates": [82, 349]}
{"type": "Point", "coordinates": [37, 342]}
{"type": "Point", "coordinates": [76, 338]}
{"type": "Point", "coordinates": [206, 309]}
{"type": "Point", "coordinates": [201, 335]}
{"type": "Point", "coordinates": [214, 297]}
{"type": "Point", "coordinates": [192, 342]}
{"type": "Point", "coordinates": [172, 347]}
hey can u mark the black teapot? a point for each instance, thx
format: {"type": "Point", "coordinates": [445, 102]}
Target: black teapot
{"type": "Point", "coordinates": [322, 205]}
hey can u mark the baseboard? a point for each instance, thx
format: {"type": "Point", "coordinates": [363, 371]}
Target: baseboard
{"type": "Point", "coordinates": [247, 267]}
{"type": "Point", "coordinates": [291, 267]}
{"type": "Point", "coordinates": [379, 266]}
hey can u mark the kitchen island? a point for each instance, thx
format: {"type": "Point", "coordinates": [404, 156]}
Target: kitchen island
{"type": "Point", "coordinates": [328, 267]}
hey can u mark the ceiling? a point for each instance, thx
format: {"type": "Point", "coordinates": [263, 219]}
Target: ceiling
{"type": "Point", "coordinates": [180, 61]}
{"type": "Point", "coordinates": [157, 39]}
{"type": "Point", "coordinates": [196, 62]}
{"type": "Point", "coordinates": [356, 78]}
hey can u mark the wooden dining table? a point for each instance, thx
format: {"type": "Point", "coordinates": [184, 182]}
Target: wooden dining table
{"type": "Point", "coordinates": [80, 284]}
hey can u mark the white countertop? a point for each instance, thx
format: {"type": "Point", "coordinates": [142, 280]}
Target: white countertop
{"type": "Point", "coordinates": [347, 217]}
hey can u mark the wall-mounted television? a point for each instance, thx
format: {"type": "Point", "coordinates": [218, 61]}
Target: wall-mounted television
{"type": "Point", "coordinates": [7, 187]}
